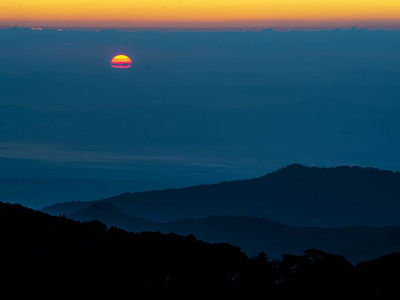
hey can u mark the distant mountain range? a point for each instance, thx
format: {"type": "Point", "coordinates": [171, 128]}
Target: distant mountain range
{"type": "Point", "coordinates": [360, 205]}
{"type": "Point", "coordinates": [294, 195]}
{"type": "Point", "coordinates": [255, 235]}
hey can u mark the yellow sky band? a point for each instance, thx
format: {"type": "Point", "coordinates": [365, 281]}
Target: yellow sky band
{"type": "Point", "coordinates": [86, 12]}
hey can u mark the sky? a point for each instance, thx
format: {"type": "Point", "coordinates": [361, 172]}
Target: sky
{"type": "Point", "coordinates": [201, 14]}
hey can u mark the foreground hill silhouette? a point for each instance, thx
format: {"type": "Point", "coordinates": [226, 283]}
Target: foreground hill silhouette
{"type": "Point", "coordinates": [295, 195]}
{"type": "Point", "coordinates": [48, 255]}
{"type": "Point", "coordinates": [55, 254]}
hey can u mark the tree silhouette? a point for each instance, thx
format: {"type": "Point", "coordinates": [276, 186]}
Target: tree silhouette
{"type": "Point", "coordinates": [48, 255]}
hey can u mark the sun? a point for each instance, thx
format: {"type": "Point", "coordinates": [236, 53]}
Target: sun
{"type": "Point", "coordinates": [121, 62]}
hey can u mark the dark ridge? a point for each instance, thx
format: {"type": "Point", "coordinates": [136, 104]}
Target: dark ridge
{"type": "Point", "coordinates": [375, 247]}
{"type": "Point", "coordinates": [252, 235]}
{"type": "Point", "coordinates": [113, 216]}
{"type": "Point", "coordinates": [295, 195]}
{"type": "Point", "coordinates": [48, 255]}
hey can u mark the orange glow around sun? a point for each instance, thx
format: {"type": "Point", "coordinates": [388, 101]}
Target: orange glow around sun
{"type": "Point", "coordinates": [121, 62]}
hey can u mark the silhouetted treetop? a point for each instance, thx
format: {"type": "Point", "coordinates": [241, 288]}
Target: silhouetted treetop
{"type": "Point", "coordinates": [48, 255]}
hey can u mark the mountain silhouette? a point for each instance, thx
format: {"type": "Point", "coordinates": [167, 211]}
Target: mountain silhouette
{"type": "Point", "coordinates": [294, 195]}
{"type": "Point", "coordinates": [252, 235]}
{"type": "Point", "coordinates": [112, 216]}
{"type": "Point", "coordinates": [45, 255]}
{"type": "Point", "coordinates": [375, 247]}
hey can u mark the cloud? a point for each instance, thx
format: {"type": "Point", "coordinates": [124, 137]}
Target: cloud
{"type": "Point", "coordinates": [210, 165]}
{"type": "Point", "coordinates": [44, 152]}
{"type": "Point", "coordinates": [98, 159]}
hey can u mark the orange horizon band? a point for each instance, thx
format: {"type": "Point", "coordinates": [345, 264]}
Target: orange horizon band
{"type": "Point", "coordinates": [127, 13]}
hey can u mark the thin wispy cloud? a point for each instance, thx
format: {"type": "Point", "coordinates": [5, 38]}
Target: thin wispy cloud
{"type": "Point", "coordinates": [50, 153]}
{"type": "Point", "coordinates": [210, 165]}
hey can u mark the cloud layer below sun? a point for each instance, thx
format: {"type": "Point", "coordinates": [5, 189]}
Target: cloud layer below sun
{"type": "Point", "coordinates": [195, 13]}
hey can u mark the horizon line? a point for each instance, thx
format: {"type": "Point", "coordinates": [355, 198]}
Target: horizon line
{"type": "Point", "coordinates": [211, 29]}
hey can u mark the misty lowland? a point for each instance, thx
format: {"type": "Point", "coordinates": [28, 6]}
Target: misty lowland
{"type": "Point", "coordinates": [200, 164]}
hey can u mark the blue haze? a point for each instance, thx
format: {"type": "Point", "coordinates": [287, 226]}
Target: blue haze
{"type": "Point", "coordinates": [196, 108]}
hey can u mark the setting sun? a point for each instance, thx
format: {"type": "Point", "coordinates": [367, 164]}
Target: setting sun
{"type": "Point", "coordinates": [121, 62]}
